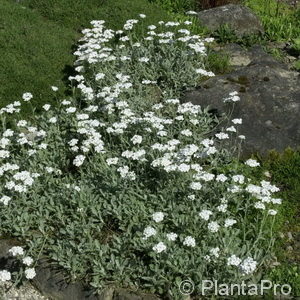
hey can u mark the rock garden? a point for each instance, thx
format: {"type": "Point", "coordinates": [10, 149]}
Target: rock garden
{"type": "Point", "coordinates": [149, 148]}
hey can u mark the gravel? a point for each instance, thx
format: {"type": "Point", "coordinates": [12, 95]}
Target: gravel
{"type": "Point", "coordinates": [25, 292]}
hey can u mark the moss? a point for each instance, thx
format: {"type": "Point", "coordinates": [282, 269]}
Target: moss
{"type": "Point", "coordinates": [242, 80]}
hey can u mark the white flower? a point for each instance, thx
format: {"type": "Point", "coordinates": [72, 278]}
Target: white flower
{"type": "Point", "coordinates": [238, 178]}
{"type": "Point", "coordinates": [149, 231]}
{"type": "Point", "coordinates": [49, 170]}
{"type": "Point", "coordinates": [233, 261]}
{"type": "Point", "coordinates": [232, 97]}
{"type": "Point", "coordinates": [112, 161]}
{"type": "Point", "coordinates": [171, 236]}
{"type": "Point", "coordinates": [151, 27]}
{"type": "Point", "coordinates": [144, 59]}
{"type": "Point", "coordinates": [207, 142]}
{"type": "Point", "coordinates": [229, 222]}
{"type": "Point", "coordinates": [221, 178]}
{"type": "Point", "coordinates": [53, 120]}
{"type": "Point", "coordinates": [209, 40]}
{"type": "Point", "coordinates": [30, 273]}
{"type": "Point", "coordinates": [222, 207]}
{"type": "Point", "coordinates": [22, 123]}
{"type": "Point", "coordinates": [136, 139]}
{"type": "Point", "coordinates": [27, 97]}
{"type": "Point", "coordinates": [65, 102]}
{"type": "Point", "coordinates": [205, 176]}
{"type": "Point", "coordinates": [191, 12]}
{"type": "Point", "coordinates": [162, 133]}
{"type": "Point", "coordinates": [27, 261]}
{"type": "Point", "coordinates": [215, 252]}
{"type": "Point", "coordinates": [5, 200]}
{"type": "Point", "coordinates": [248, 266]}
{"type": "Point", "coordinates": [259, 205]}
{"type": "Point", "coordinates": [158, 217]}
{"type": "Point", "coordinates": [160, 247]}
{"type": "Point", "coordinates": [78, 161]}
{"type": "Point", "coordinates": [231, 129]}
{"type": "Point", "coordinates": [70, 110]}
{"type": "Point", "coordinates": [142, 16]}
{"type": "Point", "coordinates": [272, 212]}
{"type": "Point", "coordinates": [77, 188]}
{"type": "Point", "coordinates": [186, 132]}
{"type": "Point", "coordinates": [183, 168]}
{"type": "Point", "coordinates": [204, 73]}
{"type": "Point", "coordinates": [16, 250]}
{"type": "Point", "coordinates": [189, 241]}
{"type": "Point", "coordinates": [237, 121]}
{"type": "Point", "coordinates": [8, 133]}
{"type": "Point", "coordinates": [213, 226]}
{"type": "Point", "coordinates": [46, 107]}
{"type": "Point", "coordinates": [5, 276]}
{"type": "Point", "coordinates": [54, 88]}
{"type": "Point", "coordinates": [197, 186]}
{"type": "Point", "coordinates": [207, 258]}
{"type": "Point", "coordinates": [252, 163]}
{"type": "Point", "coordinates": [205, 214]}
{"type": "Point", "coordinates": [222, 136]}
{"type": "Point", "coordinates": [99, 76]}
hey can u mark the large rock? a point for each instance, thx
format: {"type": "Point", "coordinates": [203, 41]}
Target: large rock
{"type": "Point", "coordinates": [269, 105]}
{"type": "Point", "coordinates": [240, 18]}
{"type": "Point", "coordinates": [51, 283]}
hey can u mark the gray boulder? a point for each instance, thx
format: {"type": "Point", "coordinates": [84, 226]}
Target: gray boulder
{"type": "Point", "coordinates": [51, 282]}
{"type": "Point", "coordinates": [269, 105]}
{"type": "Point", "coordinates": [239, 18]}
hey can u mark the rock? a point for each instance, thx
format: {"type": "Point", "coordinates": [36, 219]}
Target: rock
{"type": "Point", "coordinates": [52, 284]}
{"type": "Point", "coordinates": [122, 294]}
{"type": "Point", "coordinates": [24, 292]}
{"type": "Point", "coordinates": [238, 56]}
{"type": "Point", "coordinates": [6, 261]}
{"type": "Point", "coordinates": [240, 18]}
{"type": "Point", "coordinates": [269, 106]}
{"type": "Point", "coordinates": [5, 245]}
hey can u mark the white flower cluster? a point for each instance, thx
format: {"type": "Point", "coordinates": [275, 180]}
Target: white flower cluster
{"type": "Point", "coordinates": [233, 97]}
{"type": "Point", "coordinates": [5, 276]}
{"type": "Point", "coordinates": [246, 266]}
{"type": "Point", "coordinates": [18, 251]}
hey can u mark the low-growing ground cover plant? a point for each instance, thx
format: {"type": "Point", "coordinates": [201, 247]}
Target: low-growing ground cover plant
{"type": "Point", "coordinates": [123, 185]}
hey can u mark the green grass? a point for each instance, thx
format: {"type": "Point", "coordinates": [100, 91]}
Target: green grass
{"type": "Point", "coordinates": [285, 171]}
{"type": "Point", "coordinates": [176, 6]}
{"type": "Point", "coordinates": [281, 21]}
{"type": "Point", "coordinates": [37, 40]}
{"type": "Point", "coordinates": [34, 53]}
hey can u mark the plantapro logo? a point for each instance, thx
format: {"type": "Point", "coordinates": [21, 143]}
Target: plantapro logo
{"type": "Point", "coordinates": [213, 287]}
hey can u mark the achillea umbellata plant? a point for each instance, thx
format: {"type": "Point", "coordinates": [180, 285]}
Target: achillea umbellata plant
{"type": "Point", "coordinates": [122, 184]}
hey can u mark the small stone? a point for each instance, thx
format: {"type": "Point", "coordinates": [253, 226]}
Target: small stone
{"type": "Point", "coordinates": [290, 236]}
